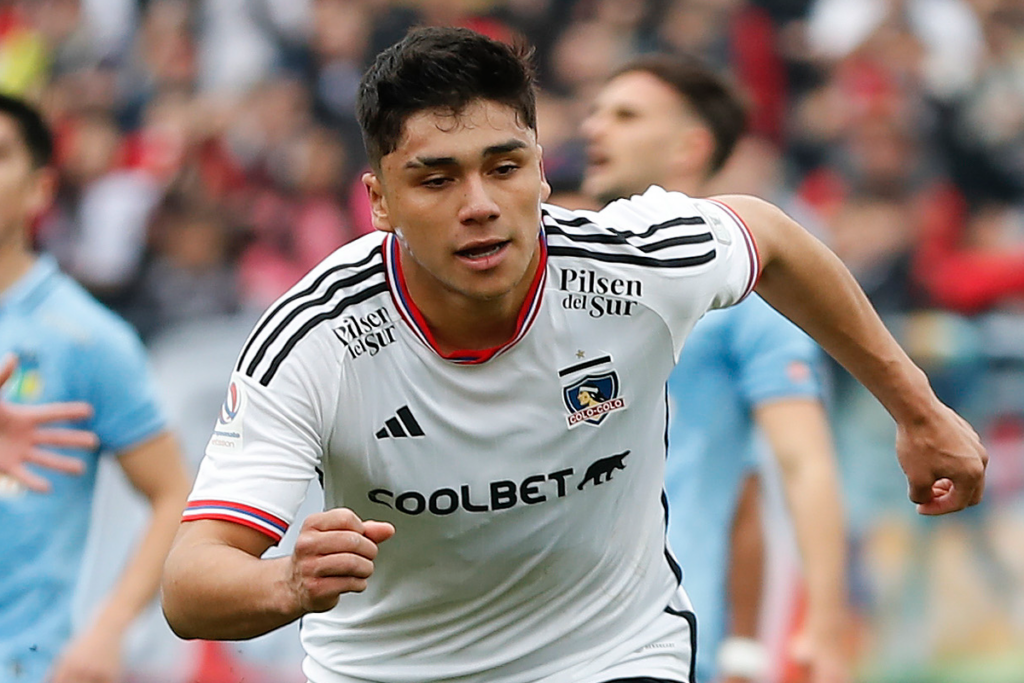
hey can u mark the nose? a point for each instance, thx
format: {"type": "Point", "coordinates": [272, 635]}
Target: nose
{"type": "Point", "coordinates": [591, 127]}
{"type": "Point", "coordinates": [478, 206]}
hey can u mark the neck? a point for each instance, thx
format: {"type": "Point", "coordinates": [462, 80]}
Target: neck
{"type": "Point", "coordinates": [460, 322]}
{"type": "Point", "coordinates": [15, 261]}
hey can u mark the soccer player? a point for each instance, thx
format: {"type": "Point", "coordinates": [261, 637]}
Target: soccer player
{"type": "Point", "coordinates": [69, 348]}
{"type": "Point", "coordinates": [23, 432]}
{"type": "Point", "coordinates": [482, 524]}
{"type": "Point", "coordinates": [672, 122]}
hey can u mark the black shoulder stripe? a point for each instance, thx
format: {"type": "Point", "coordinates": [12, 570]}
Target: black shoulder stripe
{"type": "Point", "coordinates": [620, 238]}
{"type": "Point", "coordinates": [356, 298]}
{"type": "Point", "coordinates": [598, 238]}
{"type": "Point", "coordinates": [376, 252]}
{"type": "Point", "coordinates": [675, 242]}
{"type": "Point", "coordinates": [650, 230]}
{"type": "Point", "coordinates": [307, 304]}
{"type": "Point", "coordinates": [574, 223]}
{"type": "Point", "coordinates": [681, 220]}
{"type": "Point", "coordinates": [648, 261]}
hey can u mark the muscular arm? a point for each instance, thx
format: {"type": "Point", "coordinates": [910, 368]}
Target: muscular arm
{"type": "Point", "coordinates": [155, 468]}
{"type": "Point", "coordinates": [939, 452]}
{"type": "Point", "coordinates": [798, 433]}
{"type": "Point", "coordinates": [215, 585]}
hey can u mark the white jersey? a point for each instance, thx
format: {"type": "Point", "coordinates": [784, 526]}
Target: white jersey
{"type": "Point", "coordinates": [525, 483]}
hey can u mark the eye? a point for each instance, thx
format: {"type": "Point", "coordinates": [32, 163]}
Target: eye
{"type": "Point", "coordinates": [506, 169]}
{"type": "Point", "coordinates": [435, 181]}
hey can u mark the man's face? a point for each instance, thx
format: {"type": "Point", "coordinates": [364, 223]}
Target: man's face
{"type": "Point", "coordinates": [636, 135]}
{"type": "Point", "coordinates": [463, 195]}
{"type": "Point", "coordinates": [23, 188]}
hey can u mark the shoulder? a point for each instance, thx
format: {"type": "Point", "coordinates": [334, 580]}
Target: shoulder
{"type": "Point", "coordinates": [657, 229]}
{"type": "Point", "coordinates": [349, 282]}
{"type": "Point", "coordinates": [71, 313]}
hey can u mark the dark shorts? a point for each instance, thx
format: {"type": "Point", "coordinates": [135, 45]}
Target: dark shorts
{"type": "Point", "coordinates": [642, 680]}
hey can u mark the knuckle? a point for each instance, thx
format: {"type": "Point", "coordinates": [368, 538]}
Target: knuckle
{"type": "Point", "coordinates": [348, 518]}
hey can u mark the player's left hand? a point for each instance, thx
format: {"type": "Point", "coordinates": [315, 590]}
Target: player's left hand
{"type": "Point", "coordinates": [92, 657]}
{"type": "Point", "coordinates": [23, 433]}
{"type": "Point", "coordinates": [944, 461]}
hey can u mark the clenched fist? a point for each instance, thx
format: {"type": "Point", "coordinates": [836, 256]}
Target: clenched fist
{"type": "Point", "coordinates": [334, 554]}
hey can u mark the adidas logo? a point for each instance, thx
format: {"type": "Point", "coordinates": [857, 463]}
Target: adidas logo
{"type": "Point", "coordinates": [401, 426]}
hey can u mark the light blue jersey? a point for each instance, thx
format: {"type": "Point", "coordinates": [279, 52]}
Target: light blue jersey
{"type": "Point", "coordinates": [70, 348]}
{"type": "Point", "coordinates": [733, 360]}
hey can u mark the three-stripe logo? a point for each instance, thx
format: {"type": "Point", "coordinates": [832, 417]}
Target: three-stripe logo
{"type": "Point", "coordinates": [400, 426]}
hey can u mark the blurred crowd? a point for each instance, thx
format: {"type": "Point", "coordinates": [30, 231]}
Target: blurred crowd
{"type": "Point", "coordinates": [209, 156]}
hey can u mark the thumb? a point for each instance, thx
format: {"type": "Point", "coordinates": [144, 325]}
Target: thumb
{"type": "Point", "coordinates": [920, 491]}
{"type": "Point", "coordinates": [378, 532]}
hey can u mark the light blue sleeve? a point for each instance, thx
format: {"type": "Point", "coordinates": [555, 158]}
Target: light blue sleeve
{"type": "Point", "coordinates": [773, 357]}
{"type": "Point", "coordinates": [119, 386]}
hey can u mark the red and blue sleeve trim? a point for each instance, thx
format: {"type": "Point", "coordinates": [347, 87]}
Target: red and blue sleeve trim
{"type": "Point", "coordinates": [227, 511]}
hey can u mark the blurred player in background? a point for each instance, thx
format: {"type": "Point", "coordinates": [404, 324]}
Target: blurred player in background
{"type": "Point", "coordinates": [25, 430]}
{"type": "Point", "coordinates": [69, 348]}
{"type": "Point", "coordinates": [483, 523]}
{"type": "Point", "coordinates": [673, 122]}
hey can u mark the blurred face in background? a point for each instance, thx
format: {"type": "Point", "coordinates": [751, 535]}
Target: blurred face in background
{"type": "Point", "coordinates": [639, 133]}
{"type": "Point", "coordinates": [24, 189]}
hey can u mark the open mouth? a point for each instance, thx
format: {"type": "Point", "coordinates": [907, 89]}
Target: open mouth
{"type": "Point", "coordinates": [482, 251]}
{"type": "Point", "coordinates": [597, 159]}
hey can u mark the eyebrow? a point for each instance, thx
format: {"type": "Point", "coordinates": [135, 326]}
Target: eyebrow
{"type": "Point", "coordinates": [493, 150]}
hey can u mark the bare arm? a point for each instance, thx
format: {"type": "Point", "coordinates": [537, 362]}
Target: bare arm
{"type": "Point", "coordinates": [939, 452]}
{"type": "Point", "coordinates": [746, 571]}
{"type": "Point", "coordinates": [798, 433]}
{"type": "Point", "coordinates": [23, 433]}
{"type": "Point", "coordinates": [215, 585]}
{"type": "Point", "coordinates": [156, 469]}
{"type": "Point", "coordinates": [746, 562]}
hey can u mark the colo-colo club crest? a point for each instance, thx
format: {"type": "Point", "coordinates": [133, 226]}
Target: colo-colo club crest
{"type": "Point", "coordinates": [592, 398]}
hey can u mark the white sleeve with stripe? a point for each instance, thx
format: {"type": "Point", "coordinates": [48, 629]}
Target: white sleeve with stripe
{"type": "Point", "coordinates": [683, 295]}
{"type": "Point", "coordinates": [266, 447]}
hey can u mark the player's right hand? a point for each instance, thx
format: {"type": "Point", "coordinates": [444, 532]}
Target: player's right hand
{"type": "Point", "coordinates": [334, 554]}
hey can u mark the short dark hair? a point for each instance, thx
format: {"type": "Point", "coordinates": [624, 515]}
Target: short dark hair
{"type": "Point", "coordinates": [34, 132]}
{"type": "Point", "coordinates": [441, 68]}
{"type": "Point", "coordinates": [709, 94]}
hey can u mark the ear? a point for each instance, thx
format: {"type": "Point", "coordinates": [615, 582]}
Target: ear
{"type": "Point", "coordinates": [41, 191]}
{"type": "Point", "coordinates": [378, 204]}
{"type": "Point", "coordinates": [545, 186]}
{"type": "Point", "coordinates": [693, 150]}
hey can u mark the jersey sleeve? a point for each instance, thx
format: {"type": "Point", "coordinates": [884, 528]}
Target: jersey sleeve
{"type": "Point", "coordinates": [120, 387]}
{"type": "Point", "coordinates": [267, 444]}
{"type": "Point", "coordinates": [774, 358]}
{"type": "Point", "coordinates": [695, 254]}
